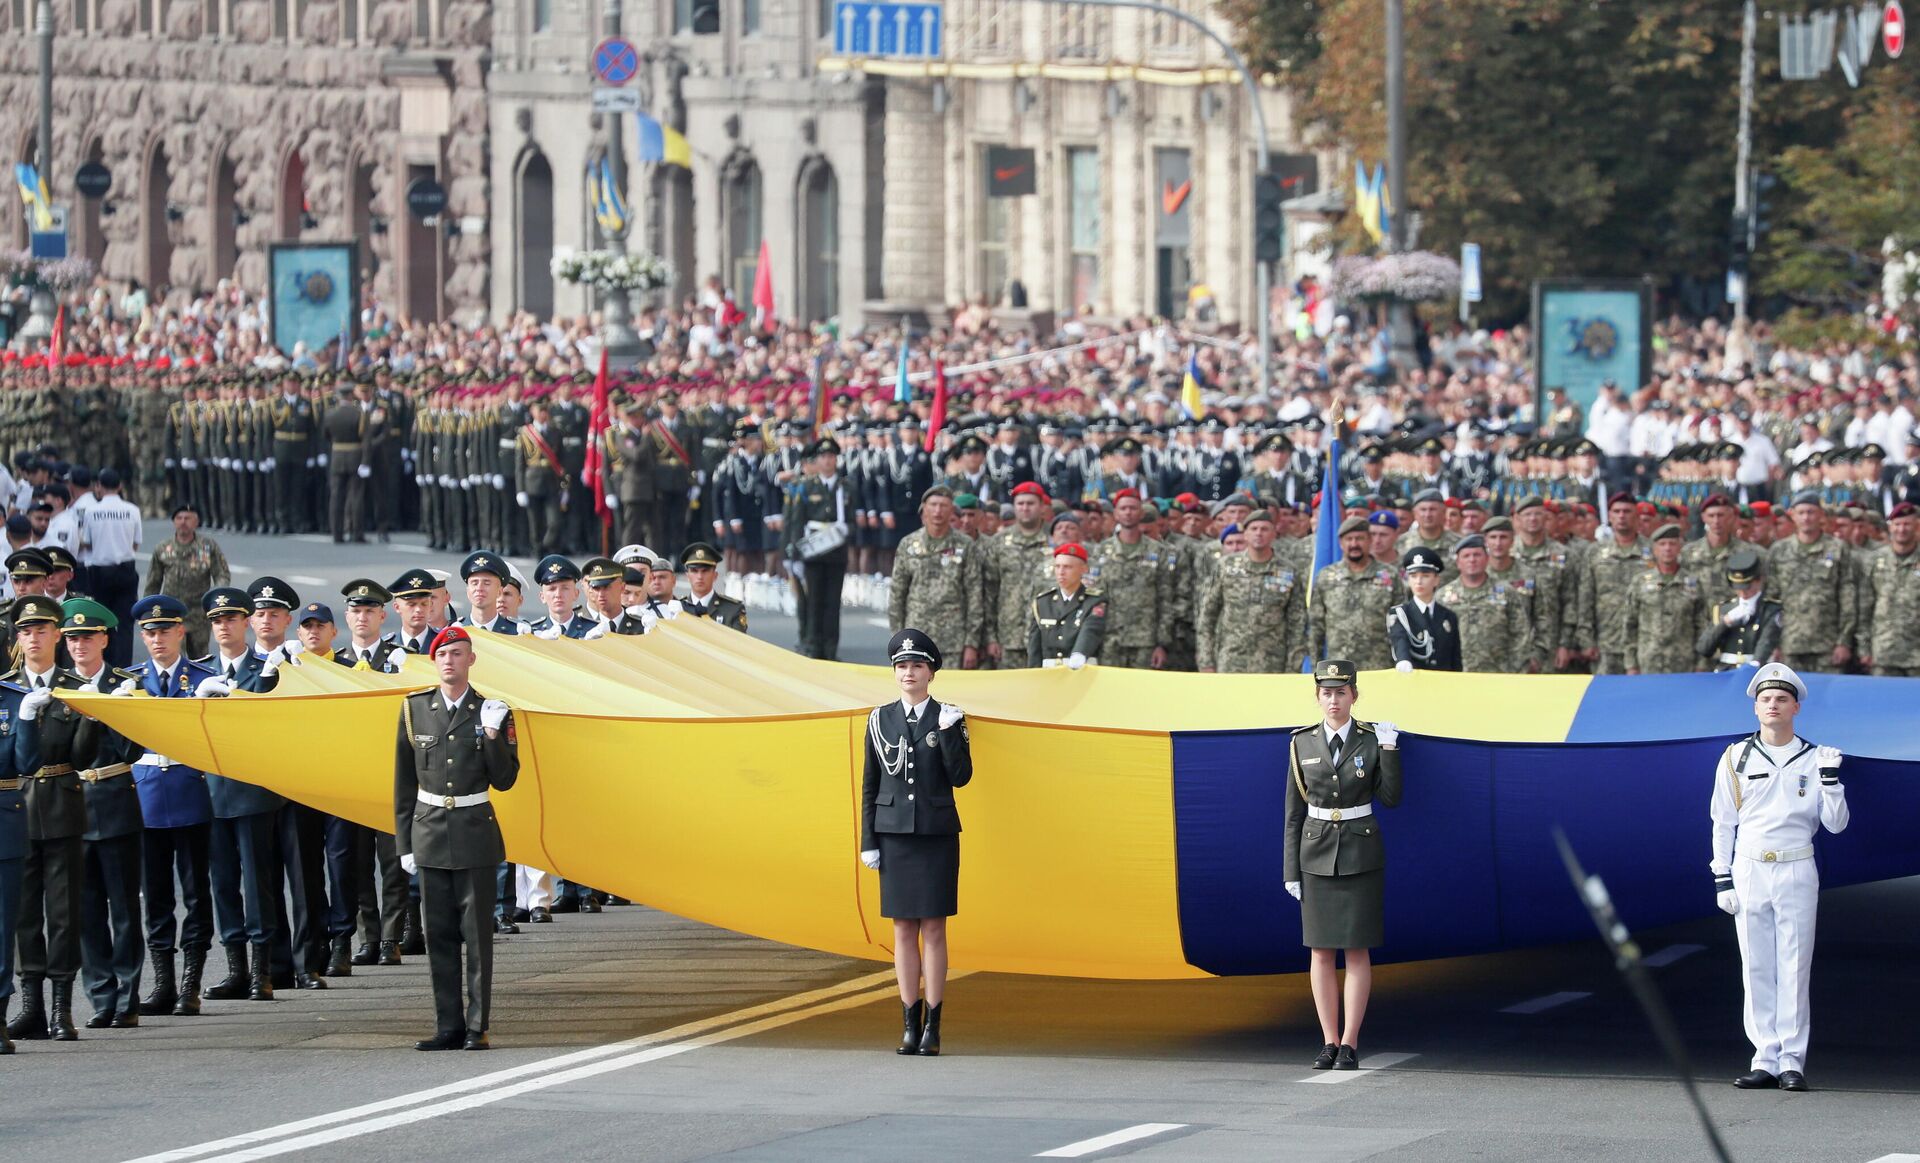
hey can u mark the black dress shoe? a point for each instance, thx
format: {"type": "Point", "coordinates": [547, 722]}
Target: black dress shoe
{"type": "Point", "coordinates": [389, 953]}
{"type": "Point", "coordinates": [503, 925]}
{"type": "Point", "coordinates": [127, 1021]}
{"type": "Point", "coordinates": [365, 955]}
{"type": "Point", "coordinates": [1348, 1058]}
{"type": "Point", "coordinates": [589, 904]}
{"type": "Point", "coordinates": [540, 917]}
{"type": "Point", "coordinates": [1756, 1080]}
{"type": "Point", "coordinates": [521, 916]}
{"type": "Point", "coordinates": [100, 1021]}
{"type": "Point", "coordinates": [451, 1041]}
{"type": "Point", "coordinates": [566, 905]}
{"type": "Point", "coordinates": [476, 1040]}
{"type": "Point", "coordinates": [1324, 1059]}
{"type": "Point", "coordinates": [309, 981]}
{"type": "Point", "coordinates": [1792, 1080]}
{"type": "Point", "coordinates": [617, 901]}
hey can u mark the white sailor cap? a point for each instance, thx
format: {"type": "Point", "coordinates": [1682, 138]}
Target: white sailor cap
{"type": "Point", "coordinates": [1777, 676]}
{"type": "Point", "coordinates": [628, 554]}
{"type": "Point", "coordinates": [439, 575]}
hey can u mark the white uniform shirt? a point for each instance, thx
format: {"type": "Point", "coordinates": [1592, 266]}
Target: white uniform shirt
{"type": "Point", "coordinates": [1772, 815]}
{"type": "Point", "coordinates": [111, 531]}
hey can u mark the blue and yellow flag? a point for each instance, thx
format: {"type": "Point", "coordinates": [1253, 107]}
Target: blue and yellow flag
{"type": "Point", "coordinates": [33, 192]}
{"type": "Point", "coordinates": [609, 208]}
{"type": "Point", "coordinates": [1326, 529]}
{"type": "Point", "coordinates": [1190, 386]}
{"type": "Point", "coordinates": [1371, 200]}
{"type": "Point", "coordinates": [661, 143]}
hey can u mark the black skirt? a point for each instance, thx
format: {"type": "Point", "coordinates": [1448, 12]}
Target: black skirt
{"type": "Point", "coordinates": [919, 876]}
{"type": "Point", "coordinates": [1343, 912]}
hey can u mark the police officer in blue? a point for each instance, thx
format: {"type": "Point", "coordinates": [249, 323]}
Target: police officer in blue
{"type": "Point", "coordinates": [111, 951]}
{"type": "Point", "coordinates": [48, 928]}
{"type": "Point", "coordinates": [243, 853]}
{"type": "Point", "coordinates": [178, 810]}
{"type": "Point", "coordinates": [559, 581]}
{"type": "Point", "coordinates": [486, 574]}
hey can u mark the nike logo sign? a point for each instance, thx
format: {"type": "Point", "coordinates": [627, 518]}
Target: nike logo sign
{"type": "Point", "coordinates": [1008, 175]}
{"type": "Point", "coordinates": [1173, 197]}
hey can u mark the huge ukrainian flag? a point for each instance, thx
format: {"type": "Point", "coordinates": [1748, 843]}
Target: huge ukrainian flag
{"type": "Point", "coordinates": [1121, 824]}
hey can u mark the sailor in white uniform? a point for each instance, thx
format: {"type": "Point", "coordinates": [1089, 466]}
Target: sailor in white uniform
{"type": "Point", "coordinates": [1771, 792]}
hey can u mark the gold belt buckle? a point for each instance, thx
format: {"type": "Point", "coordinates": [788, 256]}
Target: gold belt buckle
{"type": "Point", "coordinates": [1769, 857]}
{"type": "Point", "coordinates": [1336, 815]}
{"type": "Point", "coordinates": [449, 802]}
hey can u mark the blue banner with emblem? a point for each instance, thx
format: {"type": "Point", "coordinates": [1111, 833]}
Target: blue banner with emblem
{"type": "Point", "coordinates": [315, 294]}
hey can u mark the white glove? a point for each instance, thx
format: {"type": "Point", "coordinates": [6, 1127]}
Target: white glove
{"type": "Point", "coordinates": [599, 631]}
{"type": "Point", "coordinates": [419, 480]}
{"type": "Point", "coordinates": [550, 633]}
{"type": "Point", "coordinates": [1403, 666]}
{"type": "Point", "coordinates": [293, 648]}
{"type": "Point", "coordinates": [1827, 759]}
{"type": "Point", "coordinates": [446, 482]}
{"type": "Point", "coordinates": [311, 461]}
{"type": "Point", "coordinates": [268, 464]}
{"type": "Point", "coordinates": [871, 858]}
{"type": "Point", "coordinates": [1740, 612]}
{"type": "Point", "coordinates": [408, 865]}
{"type": "Point", "coordinates": [126, 688]}
{"type": "Point", "coordinates": [613, 502]}
{"type": "Point", "coordinates": [840, 527]}
{"type": "Point", "coordinates": [1293, 889]}
{"type": "Point", "coordinates": [170, 462]}
{"type": "Point", "coordinates": [1728, 902]}
{"type": "Point", "coordinates": [493, 714]}
{"type": "Point", "coordinates": [1387, 733]}
{"type": "Point", "coordinates": [693, 494]}
{"type": "Point", "coordinates": [365, 470]}
{"type": "Point", "coordinates": [522, 500]}
{"type": "Point", "coordinates": [949, 715]}
{"type": "Point", "coordinates": [212, 688]}
{"type": "Point", "coordinates": [253, 466]}
{"type": "Point", "coordinates": [1076, 660]}
{"type": "Point", "coordinates": [30, 706]}
{"type": "Point", "coordinates": [190, 464]}
{"type": "Point", "coordinates": [498, 481]}
{"type": "Point", "coordinates": [271, 666]}
{"type": "Point", "coordinates": [467, 484]}
{"type": "Point", "coordinates": [797, 570]}
{"type": "Point", "coordinates": [321, 460]}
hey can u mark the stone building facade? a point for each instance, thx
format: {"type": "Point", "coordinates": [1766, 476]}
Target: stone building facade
{"type": "Point", "coordinates": [231, 124]}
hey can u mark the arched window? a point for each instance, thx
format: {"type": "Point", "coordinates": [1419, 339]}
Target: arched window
{"type": "Point", "coordinates": [819, 242]}
{"type": "Point", "coordinates": [742, 209]}
{"type": "Point", "coordinates": [533, 268]}
{"type": "Point", "coordinates": [156, 221]}
{"type": "Point", "coordinates": [224, 210]}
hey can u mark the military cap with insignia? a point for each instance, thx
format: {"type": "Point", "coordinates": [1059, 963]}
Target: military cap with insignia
{"type": "Point", "coordinates": [555, 567]}
{"type": "Point", "coordinates": [33, 609]}
{"type": "Point", "coordinates": [365, 592]}
{"type": "Point", "coordinates": [225, 600]}
{"type": "Point", "coordinates": [271, 591]}
{"type": "Point", "coordinates": [28, 562]}
{"type": "Point", "coordinates": [485, 561]}
{"type": "Point", "coordinates": [700, 555]}
{"type": "Point", "coordinates": [825, 446]}
{"type": "Point", "coordinates": [159, 610]}
{"type": "Point", "coordinates": [1421, 559]}
{"type": "Point", "coordinates": [86, 616]}
{"type": "Point", "coordinates": [447, 637]}
{"type": "Point", "coordinates": [1777, 676]}
{"type": "Point", "coordinates": [58, 559]}
{"type": "Point", "coordinates": [913, 645]}
{"type": "Point", "coordinates": [1744, 566]}
{"type": "Point", "coordinates": [1273, 442]}
{"type": "Point", "coordinates": [417, 583]}
{"type": "Point", "coordinates": [1333, 672]}
{"type": "Point", "coordinates": [602, 571]}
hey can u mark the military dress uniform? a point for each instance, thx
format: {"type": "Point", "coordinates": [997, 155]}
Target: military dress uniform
{"type": "Point", "coordinates": [913, 765]}
{"type": "Point", "coordinates": [19, 758]}
{"type": "Point", "coordinates": [1063, 627]}
{"type": "Point", "coordinates": [1767, 805]}
{"type": "Point", "coordinates": [445, 769]}
{"type": "Point", "coordinates": [728, 612]}
{"type": "Point", "coordinates": [1754, 636]}
{"type": "Point", "coordinates": [817, 501]}
{"type": "Point", "coordinates": [1333, 849]}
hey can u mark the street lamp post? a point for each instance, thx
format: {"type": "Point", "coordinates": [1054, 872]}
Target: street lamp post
{"type": "Point", "coordinates": [40, 304]}
{"type": "Point", "coordinates": [622, 344]}
{"type": "Point", "coordinates": [1263, 275]}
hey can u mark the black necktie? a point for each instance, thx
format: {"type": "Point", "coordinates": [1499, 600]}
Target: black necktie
{"type": "Point", "coordinates": [1335, 748]}
{"type": "Point", "coordinates": [233, 671]}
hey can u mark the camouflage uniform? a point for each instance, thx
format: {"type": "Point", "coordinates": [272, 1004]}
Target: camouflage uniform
{"type": "Point", "coordinates": [1889, 608]}
{"type": "Point", "coordinates": [187, 572]}
{"type": "Point", "coordinates": [1496, 625]}
{"type": "Point", "coordinates": [1180, 597]}
{"type": "Point", "coordinates": [1253, 617]}
{"type": "Point", "coordinates": [1815, 584]}
{"type": "Point", "coordinates": [1535, 584]}
{"type": "Point", "coordinates": [1666, 614]}
{"type": "Point", "coordinates": [936, 589]}
{"type": "Point", "coordinates": [1347, 616]}
{"type": "Point", "coordinates": [1015, 565]}
{"type": "Point", "coordinates": [1130, 578]}
{"type": "Point", "coordinates": [1605, 581]}
{"type": "Point", "coordinates": [1709, 565]}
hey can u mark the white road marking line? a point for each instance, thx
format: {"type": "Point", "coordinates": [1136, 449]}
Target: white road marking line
{"type": "Point", "coordinates": [1897, 1158]}
{"type": "Point", "coordinates": [1672, 953]}
{"type": "Point", "coordinates": [1112, 1139]}
{"type": "Point", "coordinates": [1368, 1064]}
{"type": "Point", "coordinates": [306, 579]}
{"type": "Point", "coordinates": [240, 568]}
{"type": "Point", "coordinates": [1540, 1005]}
{"type": "Point", "coordinates": [401, 547]}
{"type": "Point", "coordinates": [542, 1082]}
{"type": "Point", "coordinates": [560, 1062]}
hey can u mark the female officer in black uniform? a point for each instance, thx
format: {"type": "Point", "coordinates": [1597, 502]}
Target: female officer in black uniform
{"type": "Point", "coordinates": [1337, 771]}
{"type": "Point", "coordinates": [917, 753]}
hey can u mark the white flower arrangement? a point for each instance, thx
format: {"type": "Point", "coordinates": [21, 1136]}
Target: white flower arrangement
{"type": "Point", "coordinates": [1412, 277]}
{"type": "Point", "coordinates": [613, 270]}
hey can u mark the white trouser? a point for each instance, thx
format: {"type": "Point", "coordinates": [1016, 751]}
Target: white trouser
{"type": "Point", "coordinates": [532, 888]}
{"type": "Point", "coordinates": [1778, 903]}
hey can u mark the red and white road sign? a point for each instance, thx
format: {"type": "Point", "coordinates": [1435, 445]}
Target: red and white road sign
{"type": "Point", "coordinates": [1893, 29]}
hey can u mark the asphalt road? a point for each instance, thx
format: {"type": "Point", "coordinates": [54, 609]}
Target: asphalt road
{"type": "Point", "coordinates": [635, 1035]}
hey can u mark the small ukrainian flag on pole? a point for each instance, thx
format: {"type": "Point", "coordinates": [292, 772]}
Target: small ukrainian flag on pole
{"type": "Point", "coordinates": [661, 143]}
{"type": "Point", "coordinates": [33, 192]}
{"type": "Point", "coordinates": [1190, 386]}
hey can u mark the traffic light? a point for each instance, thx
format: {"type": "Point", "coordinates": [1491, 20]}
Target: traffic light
{"type": "Point", "coordinates": [1760, 214]}
{"type": "Point", "coordinates": [1269, 224]}
{"type": "Point", "coordinates": [706, 17]}
{"type": "Point", "coordinates": [1740, 242]}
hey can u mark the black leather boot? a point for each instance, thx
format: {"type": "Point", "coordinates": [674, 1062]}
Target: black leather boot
{"type": "Point", "coordinates": [912, 1021]}
{"type": "Point", "coordinates": [260, 978]}
{"type": "Point", "coordinates": [234, 986]}
{"type": "Point", "coordinates": [930, 1037]}
{"type": "Point", "coordinates": [6, 1043]}
{"type": "Point", "coordinates": [389, 953]}
{"type": "Point", "coordinates": [161, 999]}
{"type": "Point", "coordinates": [340, 964]}
{"type": "Point", "coordinates": [193, 963]}
{"type": "Point", "coordinates": [31, 1025]}
{"type": "Point", "coordinates": [61, 1022]}
{"type": "Point", "coordinates": [365, 954]}
{"type": "Point", "coordinates": [413, 940]}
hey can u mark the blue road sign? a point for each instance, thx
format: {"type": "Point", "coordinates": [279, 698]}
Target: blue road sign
{"type": "Point", "coordinates": [865, 29]}
{"type": "Point", "coordinates": [614, 61]}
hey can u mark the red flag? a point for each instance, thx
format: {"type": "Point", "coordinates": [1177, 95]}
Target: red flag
{"type": "Point", "coordinates": [597, 424]}
{"type": "Point", "coordinates": [57, 343]}
{"type": "Point", "coordinates": [763, 317]}
{"type": "Point", "coordinates": [938, 417]}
